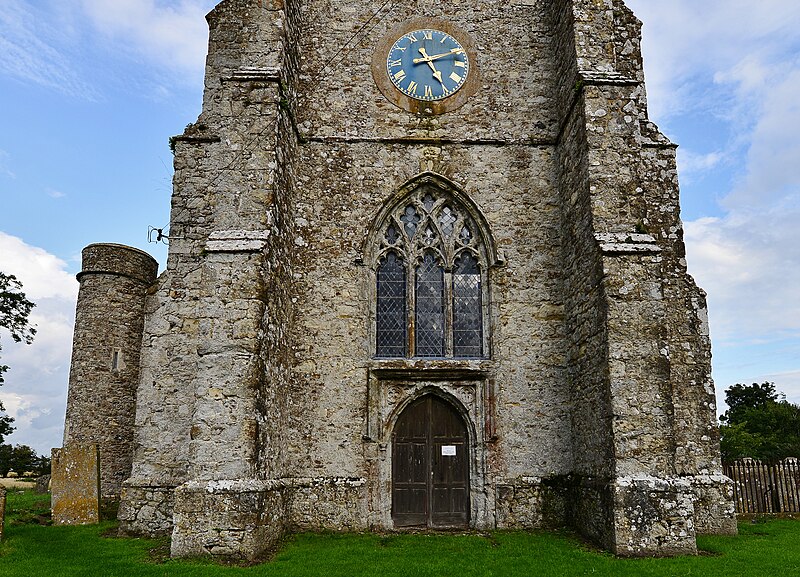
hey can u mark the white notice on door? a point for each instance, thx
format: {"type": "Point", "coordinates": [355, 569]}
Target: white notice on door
{"type": "Point", "coordinates": [448, 450]}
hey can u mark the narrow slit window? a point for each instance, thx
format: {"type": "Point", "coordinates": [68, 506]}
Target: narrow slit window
{"type": "Point", "coordinates": [391, 311]}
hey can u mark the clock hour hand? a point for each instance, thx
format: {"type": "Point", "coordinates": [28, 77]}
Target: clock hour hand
{"type": "Point", "coordinates": [425, 58]}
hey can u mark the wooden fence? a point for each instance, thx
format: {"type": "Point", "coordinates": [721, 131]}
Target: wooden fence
{"type": "Point", "coordinates": [763, 488]}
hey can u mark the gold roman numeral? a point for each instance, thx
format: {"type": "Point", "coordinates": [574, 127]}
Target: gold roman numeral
{"type": "Point", "coordinates": [428, 34]}
{"type": "Point", "coordinates": [393, 63]}
{"type": "Point", "coordinates": [455, 78]}
{"type": "Point", "coordinates": [428, 92]}
{"type": "Point", "coordinates": [412, 87]}
{"type": "Point", "coordinates": [399, 75]}
{"type": "Point", "coordinates": [460, 64]}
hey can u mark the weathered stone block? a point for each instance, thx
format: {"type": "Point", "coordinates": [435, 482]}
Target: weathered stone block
{"type": "Point", "coordinates": [714, 510]}
{"type": "Point", "coordinates": [75, 496]}
{"type": "Point", "coordinates": [532, 503]}
{"type": "Point", "coordinates": [337, 504]}
{"type": "Point", "coordinates": [146, 509]}
{"type": "Point", "coordinates": [42, 484]}
{"type": "Point", "coordinates": [653, 517]}
{"type": "Point", "coordinates": [237, 519]}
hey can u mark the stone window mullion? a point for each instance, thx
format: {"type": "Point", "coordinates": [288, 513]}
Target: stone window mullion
{"type": "Point", "coordinates": [448, 314]}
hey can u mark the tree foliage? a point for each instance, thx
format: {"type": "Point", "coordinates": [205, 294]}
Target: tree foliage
{"type": "Point", "coordinates": [22, 459]}
{"type": "Point", "coordinates": [14, 311]}
{"type": "Point", "coordinates": [759, 423]}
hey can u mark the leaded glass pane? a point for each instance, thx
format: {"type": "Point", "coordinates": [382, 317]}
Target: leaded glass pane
{"type": "Point", "coordinates": [467, 316]}
{"type": "Point", "coordinates": [428, 202]}
{"type": "Point", "coordinates": [447, 220]}
{"type": "Point", "coordinates": [392, 235]}
{"type": "Point", "coordinates": [430, 308]}
{"type": "Point", "coordinates": [391, 309]}
{"type": "Point", "coordinates": [466, 236]}
{"type": "Point", "coordinates": [410, 220]}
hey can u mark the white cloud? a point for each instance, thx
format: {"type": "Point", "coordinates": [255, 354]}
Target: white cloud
{"type": "Point", "coordinates": [36, 385]}
{"type": "Point", "coordinates": [749, 259]}
{"type": "Point", "coordinates": [32, 50]}
{"type": "Point", "coordinates": [171, 34]}
{"type": "Point", "coordinates": [686, 40]}
{"type": "Point", "coordinates": [690, 163]}
{"type": "Point", "coordinates": [772, 178]}
{"type": "Point", "coordinates": [74, 46]}
{"type": "Point", "coordinates": [750, 267]}
{"type": "Point", "coordinates": [727, 70]}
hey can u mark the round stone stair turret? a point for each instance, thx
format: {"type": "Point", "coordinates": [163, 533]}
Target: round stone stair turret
{"type": "Point", "coordinates": [104, 373]}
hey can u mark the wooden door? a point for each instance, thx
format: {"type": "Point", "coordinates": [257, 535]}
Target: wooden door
{"type": "Point", "coordinates": [430, 466]}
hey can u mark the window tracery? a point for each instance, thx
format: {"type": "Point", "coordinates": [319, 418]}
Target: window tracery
{"type": "Point", "coordinates": [431, 271]}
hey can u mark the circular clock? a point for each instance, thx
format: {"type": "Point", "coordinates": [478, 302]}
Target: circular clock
{"type": "Point", "coordinates": [427, 64]}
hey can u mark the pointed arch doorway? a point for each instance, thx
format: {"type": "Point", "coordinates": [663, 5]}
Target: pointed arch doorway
{"type": "Point", "coordinates": [430, 466]}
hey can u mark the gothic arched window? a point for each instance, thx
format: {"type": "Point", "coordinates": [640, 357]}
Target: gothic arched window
{"type": "Point", "coordinates": [430, 272]}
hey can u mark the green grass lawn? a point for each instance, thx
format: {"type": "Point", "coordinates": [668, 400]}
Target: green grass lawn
{"type": "Point", "coordinates": [762, 549]}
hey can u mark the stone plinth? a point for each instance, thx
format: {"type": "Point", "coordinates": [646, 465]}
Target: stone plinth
{"type": "Point", "coordinates": [653, 517]}
{"type": "Point", "coordinates": [75, 485]}
{"type": "Point", "coordinates": [232, 519]}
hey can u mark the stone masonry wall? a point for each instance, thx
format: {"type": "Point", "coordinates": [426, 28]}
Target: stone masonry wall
{"type": "Point", "coordinates": [584, 298]}
{"type": "Point", "coordinates": [359, 150]}
{"type": "Point", "coordinates": [637, 226]}
{"type": "Point", "coordinates": [276, 393]}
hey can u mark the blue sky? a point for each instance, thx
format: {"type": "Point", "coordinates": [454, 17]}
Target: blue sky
{"type": "Point", "coordinates": [91, 90]}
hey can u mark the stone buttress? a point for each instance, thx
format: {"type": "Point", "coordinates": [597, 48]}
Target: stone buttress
{"type": "Point", "coordinates": [644, 422]}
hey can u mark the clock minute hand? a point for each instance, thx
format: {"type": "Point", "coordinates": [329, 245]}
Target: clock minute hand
{"type": "Point", "coordinates": [428, 59]}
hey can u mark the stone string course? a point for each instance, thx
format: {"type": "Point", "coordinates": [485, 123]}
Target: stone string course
{"type": "Point", "coordinates": [259, 408]}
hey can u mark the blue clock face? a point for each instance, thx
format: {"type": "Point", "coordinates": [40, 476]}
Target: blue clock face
{"type": "Point", "coordinates": [427, 65]}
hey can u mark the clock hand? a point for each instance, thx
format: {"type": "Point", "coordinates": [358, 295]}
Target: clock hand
{"type": "Point", "coordinates": [436, 56]}
{"type": "Point", "coordinates": [436, 74]}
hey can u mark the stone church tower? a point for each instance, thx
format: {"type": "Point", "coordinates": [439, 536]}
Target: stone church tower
{"type": "Point", "coordinates": [426, 269]}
